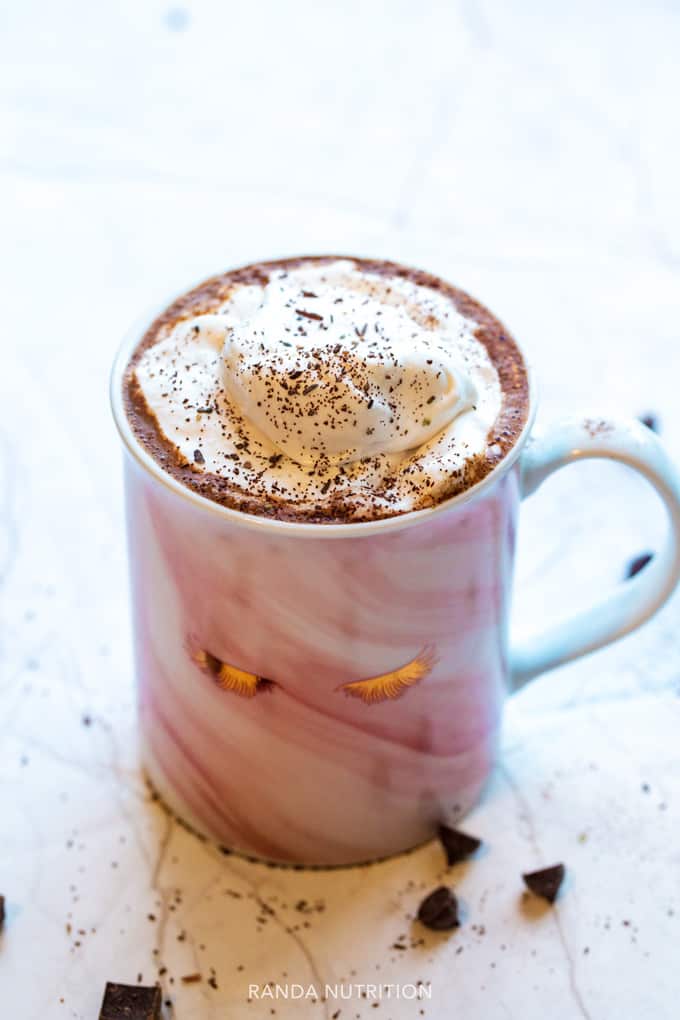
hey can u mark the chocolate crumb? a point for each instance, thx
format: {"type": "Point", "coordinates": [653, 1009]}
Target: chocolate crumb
{"type": "Point", "coordinates": [638, 563]}
{"type": "Point", "coordinates": [130, 1002]}
{"type": "Point", "coordinates": [457, 845]}
{"type": "Point", "coordinates": [651, 420]}
{"type": "Point", "coordinates": [546, 882]}
{"type": "Point", "coordinates": [439, 910]}
{"type": "Point", "coordinates": [309, 315]}
{"type": "Point", "coordinates": [191, 979]}
{"type": "Point", "coordinates": [198, 457]}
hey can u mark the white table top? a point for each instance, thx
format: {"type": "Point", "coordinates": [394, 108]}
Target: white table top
{"type": "Point", "coordinates": [532, 158]}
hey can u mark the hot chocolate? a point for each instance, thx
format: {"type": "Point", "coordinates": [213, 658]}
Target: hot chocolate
{"type": "Point", "coordinates": [329, 692]}
{"type": "Point", "coordinates": [327, 389]}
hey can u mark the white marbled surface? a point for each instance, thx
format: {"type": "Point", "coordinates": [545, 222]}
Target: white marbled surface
{"type": "Point", "coordinates": [531, 155]}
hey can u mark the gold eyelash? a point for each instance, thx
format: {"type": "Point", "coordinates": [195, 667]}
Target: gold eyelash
{"type": "Point", "coordinates": [230, 678]}
{"type": "Point", "coordinates": [395, 684]}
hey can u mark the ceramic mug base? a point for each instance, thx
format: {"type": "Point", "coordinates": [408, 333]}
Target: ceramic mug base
{"type": "Point", "coordinates": [183, 814]}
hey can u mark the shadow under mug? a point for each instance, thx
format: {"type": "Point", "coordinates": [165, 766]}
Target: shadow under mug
{"type": "Point", "coordinates": [328, 694]}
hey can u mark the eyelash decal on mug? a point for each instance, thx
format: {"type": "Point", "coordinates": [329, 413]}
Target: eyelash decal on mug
{"type": "Point", "coordinates": [230, 678]}
{"type": "Point", "coordinates": [392, 685]}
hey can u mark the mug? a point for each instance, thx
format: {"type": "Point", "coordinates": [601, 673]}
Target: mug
{"type": "Point", "coordinates": [329, 694]}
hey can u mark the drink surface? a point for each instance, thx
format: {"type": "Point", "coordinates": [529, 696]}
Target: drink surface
{"type": "Point", "coordinates": [327, 389]}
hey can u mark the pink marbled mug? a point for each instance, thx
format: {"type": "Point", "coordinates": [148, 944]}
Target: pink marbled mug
{"type": "Point", "coordinates": [327, 694]}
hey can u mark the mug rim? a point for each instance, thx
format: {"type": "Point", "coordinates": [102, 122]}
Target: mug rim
{"type": "Point", "coordinates": [292, 529]}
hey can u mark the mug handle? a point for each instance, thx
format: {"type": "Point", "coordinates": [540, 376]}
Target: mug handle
{"type": "Point", "coordinates": [633, 601]}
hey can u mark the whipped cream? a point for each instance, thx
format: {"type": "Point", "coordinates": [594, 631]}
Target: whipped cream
{"type": "Point", "coordinates": [326, 384]}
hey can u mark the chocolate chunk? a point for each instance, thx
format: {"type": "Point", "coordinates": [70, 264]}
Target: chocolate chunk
{"type": "Point", "coordinates": [131, 1002]}
{"type": "Point", "coordinates": [638, 564]}
{"type": "Point", "coordinates": [457, 845]}
{"type": "Point", "coordinates": [546, 882]}
{"type": "Point", "coordinates": [439, 910]}
{"type": "Point", "coordinates": [2, 912]}
{"type": "Point", "coordinates": [651, 421]}
{"type": "Point", "coordinates": [198, 457]}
